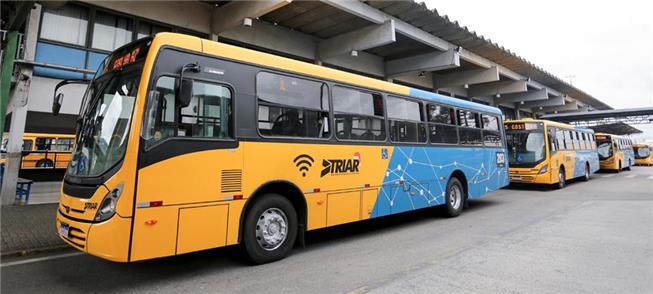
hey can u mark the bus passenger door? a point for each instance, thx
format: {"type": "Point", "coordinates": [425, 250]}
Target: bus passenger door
{"type": "Point", "coordinates": [190, 165]}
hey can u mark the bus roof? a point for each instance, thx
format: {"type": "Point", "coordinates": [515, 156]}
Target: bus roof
{"type": "Point", "coordinates": [453, 101]}
{"type": "Point", "coordinates": [308, 69]}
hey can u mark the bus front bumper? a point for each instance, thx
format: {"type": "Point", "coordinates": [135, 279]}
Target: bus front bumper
{"type": "Point", "coordinates": [108, 240]}
{"type": "Point", "coordinates": [529, 176]}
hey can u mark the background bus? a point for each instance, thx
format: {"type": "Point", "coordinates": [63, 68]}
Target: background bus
{"type": "Point", "coordinates": [615, 152]}
{"type": "Point", "coordinates": [257, 149]}
{"type": "Point", "coordinates": [643, 154]}
{"type": "Point", "coordinates": [41, 150]}
{"type": "Point", "coordinates": [547, 152]}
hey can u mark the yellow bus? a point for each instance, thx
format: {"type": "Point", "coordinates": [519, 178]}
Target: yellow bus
{"type": "Point", "coordinates": [42, 150]}
{"type": "Point", "coordinates": [643, 154]}
{"type": "Point", "coordinates": [547, 152]}
{"type": "Point", "coordinates": [615, 152]}
{"type": "Point", "coordinates": [187, 144]}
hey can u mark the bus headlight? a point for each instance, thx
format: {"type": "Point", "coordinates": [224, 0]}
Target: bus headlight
{"type": "Point", "coordinates": [108, 205]}
{"type": "Point", "coordinates": [544, 169]}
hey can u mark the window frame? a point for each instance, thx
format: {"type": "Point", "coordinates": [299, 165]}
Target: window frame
{"type": "Point", "coordinates": [234, 121]}
{"type": "Point", "coordinates": [295, 138]}
{"type": "Point", "coordinates": [421, 122]}
{"type": "Point", "coordinates": [386, 123]}
{"type": "Point", "coordinates": [454, 124]}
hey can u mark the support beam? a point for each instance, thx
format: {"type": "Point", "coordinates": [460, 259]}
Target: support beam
{"type": "Point", "coordinates": [468, 77]}
{"type": "Point", "coordinates": [358, 40]}
{"type": "Point", "coordinates": [568, 106]}
{"type": "Point", "coordinates": [501, 87]}
{"type": "Point", "coordinates": [425, 62]}
{"type": "Point", "coordinates": [290, 42]}
{"type": "Point", "coordinates": [277, 38]}
{"type": "Point", "coordinates": [232, 14]}
{"type": "Point", "coordinates": [523, 97]}
{"type": "Point", "coordinates": [374, 15]}
{"type": "Point", "coordinates": [553, 101]}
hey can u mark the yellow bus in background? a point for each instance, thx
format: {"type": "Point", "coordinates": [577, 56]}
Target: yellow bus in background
{"type": "Point", "coordinates": [43, 150]}
{"type": "Point", "coordinates": [547, 152]}
{"type": "Point", "coordinates": [643, 154]}
{"type": "Point", "coordinates": [615, 152]}
{"type": "Point", "coordinates": [187, 144]}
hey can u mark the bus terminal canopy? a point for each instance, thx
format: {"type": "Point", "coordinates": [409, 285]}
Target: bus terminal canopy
{"type": "Point", "coordinates": [616, 121]}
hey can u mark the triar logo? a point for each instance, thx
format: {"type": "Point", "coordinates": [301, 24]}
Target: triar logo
{"type": "Point", "coordinates": [341, 166]}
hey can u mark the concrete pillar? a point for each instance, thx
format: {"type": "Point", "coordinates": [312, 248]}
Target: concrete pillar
{"type": "Point", "coordinates": [18, 107]}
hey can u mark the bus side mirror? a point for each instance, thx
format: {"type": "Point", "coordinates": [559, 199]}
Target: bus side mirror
{"type": "Point", "coordinates": [185, 92]}
{"type": "Point", "coordinates": [56, 104]}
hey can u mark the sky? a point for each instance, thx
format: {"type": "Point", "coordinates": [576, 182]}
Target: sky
{"type": "Point", "coordinates": [604, 48]}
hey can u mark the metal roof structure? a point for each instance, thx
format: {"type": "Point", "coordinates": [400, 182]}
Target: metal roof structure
{"type": "Point", "coordinates": [402, 41]}
{"type": "Point", "coordinates": [617, 128]}
{"type": "Point", "coordinates": [612, 121]}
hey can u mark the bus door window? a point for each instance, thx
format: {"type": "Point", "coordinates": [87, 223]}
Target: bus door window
{"type": "Point", "coordinates": [442, 124]}
{"type": "Point", "coordinates": [358, 115]}
{"type": "Point", "coordinates": [292, 107]}
{"type": "Point", "coordinates": [209, 113]}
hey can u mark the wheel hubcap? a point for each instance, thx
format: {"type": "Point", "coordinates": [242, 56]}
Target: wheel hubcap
{"type": "Point", "coordinates": [455, 197]}
{"type": "Point", "coordinates": [271, 229]}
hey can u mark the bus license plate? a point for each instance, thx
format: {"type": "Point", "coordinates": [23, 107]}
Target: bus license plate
{"type": "Point", "coordinates": [516, 178]}
{"type": "Point", "coordinates": [64, 229]}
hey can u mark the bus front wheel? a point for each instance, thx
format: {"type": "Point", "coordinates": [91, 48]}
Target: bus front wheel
{"type": "Point", "coordinates": [270, 229]}
{"type": "Point", "coordinates": [455, 197]}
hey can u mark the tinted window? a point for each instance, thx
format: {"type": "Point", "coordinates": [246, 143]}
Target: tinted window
{"type": "Point", "coordinates": [560, 137]}
{"type": "Point", "coordinates": [569, 144]}
{"type": "Point", "coordinates": [45, 144]}
{"type": "Point", "coordinates": [64, 144]}
{"type": "Point", "coordinates": [358, 115]}
{"type": "Point", "coordinates": [405, 121]}
{"type": "Point", "coordinates": [469, 120]}
{"type": "Point", "coordinates": [292, 107]}
{"type": "Point", "coordinates": [491, 131]}
{"type": "Point", "coordinates": [27, 145]}
{"type": "Point", "coordinates": [442, 122]}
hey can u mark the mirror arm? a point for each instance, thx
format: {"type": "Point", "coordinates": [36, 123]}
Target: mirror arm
{"type": "Point", "coordinates": [70, 81]}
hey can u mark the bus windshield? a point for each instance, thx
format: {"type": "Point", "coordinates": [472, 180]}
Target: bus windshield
{"type": "Point", "coordinates": [525, 148]}
{"type": "Point", "coordinates": [105, 121]}
{"type": "Point", "coordinates": [604, 145]}
{"type": "Point", "coordinates": [642, 152]}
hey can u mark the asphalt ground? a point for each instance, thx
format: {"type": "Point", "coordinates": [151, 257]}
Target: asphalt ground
{"type": "Point", "coordinates": [594, 237]}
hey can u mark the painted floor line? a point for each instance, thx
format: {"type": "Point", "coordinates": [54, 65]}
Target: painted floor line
{"type": "Point", "coordinates": [39, 259]}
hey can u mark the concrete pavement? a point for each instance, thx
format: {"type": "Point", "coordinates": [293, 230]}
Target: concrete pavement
{"type": "Point", "coordinates": [588, 238]}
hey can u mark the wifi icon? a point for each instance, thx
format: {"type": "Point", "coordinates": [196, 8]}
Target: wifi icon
{"type": "Point", "coordinates": [303, 163]}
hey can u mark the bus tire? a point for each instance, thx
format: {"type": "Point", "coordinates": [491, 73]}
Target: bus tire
{"type": "Point", "coordinates": [270, 229]}
{"type": "Point", "coordinates": [619, 168]}
{"type": "Point", "coordinates": [44, 163]}
{"type": "Point", "coordinates": [561, 178]}
{"type": "Point", "coordinates": [587, 174]}
{"type": "Point", "coordinates": [454, 197]}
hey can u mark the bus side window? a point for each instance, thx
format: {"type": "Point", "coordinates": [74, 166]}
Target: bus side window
{"type": "Point", "coordinates": [64, 144]}
{"type": "Point", "coordinates": [560, 138]}
{"type": "Point", "coordinates": [470, 132]}
{"type": "Point", "coordinates": [405, 118]}
{"type": "Point", "coordinates": [491, 131]}
{"type": "Point", "coordinates": [43, 144]}
{"type": "Point", "coordinates": [442, 124]}
{"type": "Point", "coordinates": [358, 115]}
{"type": "Point", "coordinates": [292, 107]}
{"type": "Point", "coordinates": [209, 113]}
{"type": "Point", "coordinates": [27, 145]}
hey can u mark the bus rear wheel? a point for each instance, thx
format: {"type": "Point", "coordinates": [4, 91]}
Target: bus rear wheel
{"type": "Point", "coordinates": [561, 178]}
{"type": "Point", "coordinates": [270, 229]}
{"type": "Point", "coordinates": [455, 197]}
{"type": "Point", "coordinates": [587, 175]}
